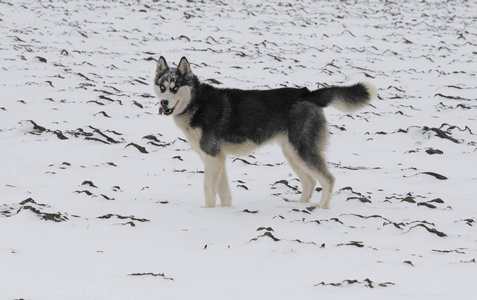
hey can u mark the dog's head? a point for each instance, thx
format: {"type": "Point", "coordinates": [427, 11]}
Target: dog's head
{"type": "Point", "coordinates": [173, 86]}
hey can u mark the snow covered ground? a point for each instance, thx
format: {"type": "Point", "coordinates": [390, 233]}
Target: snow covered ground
{"type": "Point", "coordinates": [100, 197]}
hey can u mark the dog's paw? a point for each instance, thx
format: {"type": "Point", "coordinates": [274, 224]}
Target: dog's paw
{"type": "Point", "coordinates": [321, 205]}
{"type": "Point", "coordinates": [226, 202]}
{"type": "Point", "coordinates": [324, 206]}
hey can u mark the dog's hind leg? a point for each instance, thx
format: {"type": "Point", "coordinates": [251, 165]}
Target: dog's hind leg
{"type": "Point", "coordinates": [306, 140]}
{"type": "Point", "coordinates": [213, 170]}
{"type": "Point", "coordinates": [308, 182]}
{"type": "Point", "coordinates": [224, 189]}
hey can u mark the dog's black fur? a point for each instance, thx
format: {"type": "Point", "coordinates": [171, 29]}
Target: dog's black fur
{"type": "Point", "coordinates": [235, 116]}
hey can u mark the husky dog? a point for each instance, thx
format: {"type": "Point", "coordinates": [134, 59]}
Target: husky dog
{"type": "Point", "coordinates": [217, 122]}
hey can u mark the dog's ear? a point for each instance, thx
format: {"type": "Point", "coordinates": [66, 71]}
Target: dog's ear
{"type": "Point", "coordinates": [161, 66]}
{"type": "Point", "coordinates": [184, 68]}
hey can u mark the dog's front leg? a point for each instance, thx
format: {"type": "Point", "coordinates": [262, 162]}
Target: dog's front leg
{"type": "Point", "coordinates": [213, 169]}
{"type": "Point", "coordinates": [224, 189]}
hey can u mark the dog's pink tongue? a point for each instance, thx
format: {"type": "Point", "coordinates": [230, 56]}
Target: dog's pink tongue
{"type": "Point", "coordinates": [161, 110]}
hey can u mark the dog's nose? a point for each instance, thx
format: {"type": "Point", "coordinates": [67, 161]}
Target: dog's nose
{"type": "Point", "coordinates": [164, 102]}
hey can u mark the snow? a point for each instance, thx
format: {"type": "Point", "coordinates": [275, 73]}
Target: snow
{"type": "Point", "coordinates": [84, 214]}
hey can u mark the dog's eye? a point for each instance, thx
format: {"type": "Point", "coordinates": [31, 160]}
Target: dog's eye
{"type": "Point", "coordinates": [175, 89]}
{"type": "Point", "coordinates": [163, 88]}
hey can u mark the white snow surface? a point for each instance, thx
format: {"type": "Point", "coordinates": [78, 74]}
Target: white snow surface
{"type": "Point", "coordinates": [86, 213]}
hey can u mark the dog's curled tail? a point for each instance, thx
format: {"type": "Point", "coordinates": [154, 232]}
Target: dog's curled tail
{"type": "Point", "coordinates": [345, 98]}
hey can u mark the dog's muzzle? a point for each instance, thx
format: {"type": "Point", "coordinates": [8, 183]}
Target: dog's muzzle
{"type": "Point", "coordinates": [164, 108]}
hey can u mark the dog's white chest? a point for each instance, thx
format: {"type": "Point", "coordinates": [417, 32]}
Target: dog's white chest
{"type": "Point", "coordinates": [193, 135]}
